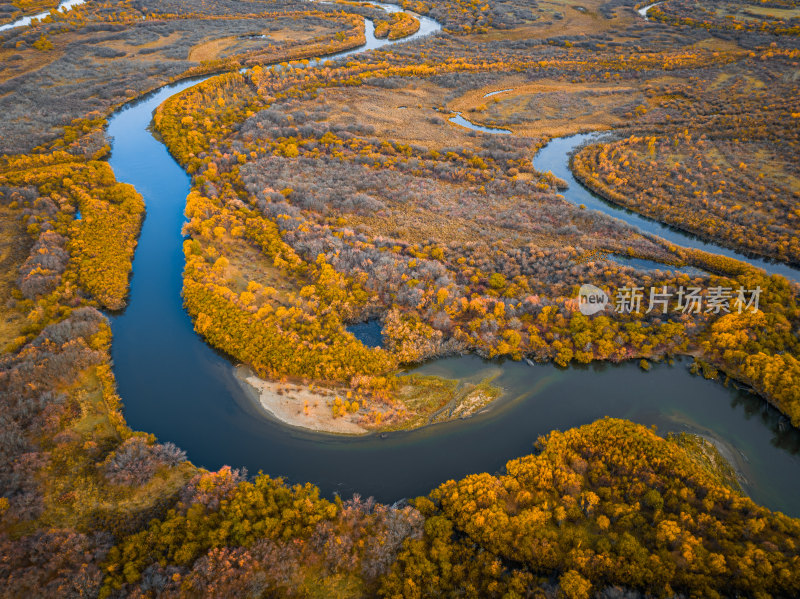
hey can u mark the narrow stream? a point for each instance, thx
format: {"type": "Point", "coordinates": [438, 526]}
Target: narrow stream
{"type": "Point", "coordinates": [459, 119]}
{"type": "Point", "coordinates": [174, 385]}
{"type": "Point", "coordinates": [25, 21]}
{"type": "Point", "coordinates": [643, 11]}
{"type": "Point", "coordinates": [554, 157]}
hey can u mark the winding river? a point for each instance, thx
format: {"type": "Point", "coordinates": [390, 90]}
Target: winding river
{"type": "Point", "coordinates": [554, 157]}
{"type": "Point", "coordinates": [25, 21]}
{"type": "Point", "coordinates": [174, 385]}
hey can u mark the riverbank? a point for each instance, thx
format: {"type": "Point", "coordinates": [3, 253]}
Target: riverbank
{"type": "Point", "coordinates": [555, 157]}
{"type": "Point", "coordinates": [298, 405]}
{"type": "Point", "coordinates": [716, 456]}
{"type": "Point", "coordinates": [583, 164]}
{"type": "Point", "coordinates": [25, 20]}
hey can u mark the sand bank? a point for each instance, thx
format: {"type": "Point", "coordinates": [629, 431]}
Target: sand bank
{"type": "Point", "coordinates": [298, 405]}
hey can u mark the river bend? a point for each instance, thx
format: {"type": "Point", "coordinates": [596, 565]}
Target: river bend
{"type": "Point", "coordinates": [174, 385]}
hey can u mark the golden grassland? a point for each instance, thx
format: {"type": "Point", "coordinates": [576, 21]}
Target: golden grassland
{"type": "Point", "coordinates": [564, 18]}
{"type": "Point", "coordinates": [547, 107]}
{"type": "Point", "coordinates": [756, 12]}
{"type": "Point", "coordinates": [390, 111]}
{"type": "Point", "coordinates": [225, 46]}
{"type": "Point", "coordinates": [382, 110]}
{"type": "Point", "coordinates": [31, 59]}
